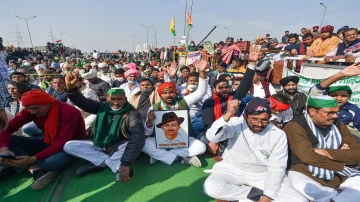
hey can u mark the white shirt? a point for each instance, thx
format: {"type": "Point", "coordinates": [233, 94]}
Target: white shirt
{"type": "Point", "coordinates": [260, 92]}
{"type": "Point", "coordinates": [189, 99]}
{"type": "Point", "coordinates": [265, 152]}
{"type": "Point", "coordinates": [128, 91]}
{"type": "Point", "coordinates": [96, 55]}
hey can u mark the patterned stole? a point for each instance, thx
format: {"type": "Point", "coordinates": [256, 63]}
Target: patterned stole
{"type": "Point", "coordinates": [331, 141]}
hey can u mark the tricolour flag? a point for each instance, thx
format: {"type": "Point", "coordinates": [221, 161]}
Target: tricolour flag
{"type": "Point", "coordinates": [190, 24]}
{"type": "Point", "coordinates": [172, 26]}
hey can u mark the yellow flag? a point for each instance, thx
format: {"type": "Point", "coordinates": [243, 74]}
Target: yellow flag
{"type": "Point", "coordinates": [172, 26]}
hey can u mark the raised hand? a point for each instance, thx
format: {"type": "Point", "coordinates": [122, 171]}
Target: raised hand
{"type": "Point", "coordinates": [203, 63]}
{"type": "Point", "coordinates": [171, 71]}
{"type": "Point", "coordinates": [352, 70]}
{"type": "Point", "coordinates": [253, 55]}
{"type": "Point", "coordinates": [71, 81]}
{"type": "Point", "coordinates": [232, 107]}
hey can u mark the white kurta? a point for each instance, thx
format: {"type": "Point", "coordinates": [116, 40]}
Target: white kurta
{"type": "Point", "coordinates": [250, 160]}
{"type": "Point", "coordinates": [196, 147]}
{"type": "Point", "coordinates": [129, 92]}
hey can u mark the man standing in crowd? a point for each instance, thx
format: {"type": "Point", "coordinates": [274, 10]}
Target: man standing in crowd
{"type": "Point", "coordinates": [348, 50]}
{"type": "Point", "coordinates": [300, 48]}
{"type": "Point", "coordinates": [326, 43]}
{"type": "Point", "coordinates": [96, 84]}
{"type": "Point", "coordinates": [118, 132]}
{"type": "Point", "coordinates": [254, 163]}
{"type": "Point", "coordinates": [4, 79]}
{"type": "Point", "coordinates": [298, 99]}
{"type": "Point", "coordinates": [170, 101]}
{"type": "Point", "coordinates": [43, 157]}
{"type": "Point", "coordinates": [57, 88]}
{"type": "Point", "coordinates": [323, 151]}
{"type": "Point", "coordinates": [349, 113]}
{"type": "Point", "coordinates": [284, 39]}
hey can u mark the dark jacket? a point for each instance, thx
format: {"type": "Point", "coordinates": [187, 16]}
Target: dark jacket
{"type": "Point", "coordinates": [298, 103]}
{"type": "Point", "coordinates": [350, 113]}
{"type": "Point", "coordinates": [132, 128]}
{"type": "Point", "coordinates": [302, 142]}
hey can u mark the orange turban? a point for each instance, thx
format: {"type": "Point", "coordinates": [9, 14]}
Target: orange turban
{"type": "Point", "coordinates": [167, 86]}
{"type": "Point", "coordinates": [39, 97]}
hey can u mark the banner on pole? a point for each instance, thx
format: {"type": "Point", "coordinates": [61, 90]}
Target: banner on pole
{"type": "Point", "coordinates": [190, 58]}
{"type": "Point", "coordinates": [209, 47]}
{"type": "Point", "coordinates": [305, 83]}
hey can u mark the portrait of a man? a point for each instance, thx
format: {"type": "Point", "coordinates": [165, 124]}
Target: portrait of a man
{"type": "Point", "coordinates": [170, 129]}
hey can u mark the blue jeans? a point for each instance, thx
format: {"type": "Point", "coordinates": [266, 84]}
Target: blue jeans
{"type": "Point", "coordinates": [31, 145]}
{"type": "Point", "coordinates": [32, 130]}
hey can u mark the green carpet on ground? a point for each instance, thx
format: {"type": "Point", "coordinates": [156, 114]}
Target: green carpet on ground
{"type": "Point", "coordinates": [17, 188]}
{"type": "Point", "coordinates": [153, 183]}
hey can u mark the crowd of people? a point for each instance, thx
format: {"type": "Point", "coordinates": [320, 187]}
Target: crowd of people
{"type": "Point", "coordinates": [270, 145]}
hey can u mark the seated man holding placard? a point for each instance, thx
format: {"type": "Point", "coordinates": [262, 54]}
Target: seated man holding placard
{"type": "Point", "coordinates": [169, 102]}
{"type": "Point", "coordinates": [118, 132]}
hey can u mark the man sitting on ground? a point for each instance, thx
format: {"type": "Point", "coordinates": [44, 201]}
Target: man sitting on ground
{"type": "Point", "coordinates": [118, 132]}
{"type": "Point", "coordinates": [260, 88]}
{"type": "Point", "coordinates": [170, 101]}
{"type": "Point", "coordinates": [96, 84]}
{"type": "Point", "coordinates": [57, 88]}
{"type": "Point", "coordinates": [298, 99]}
{"type": "Point", "coordinates": [21, 77]}
{"type": "Point", "coordinates": [323, 151]}
{"type": "Point", "coordinates": [254, 163]}
{"type": "Point", "coordinates": [43, 157]}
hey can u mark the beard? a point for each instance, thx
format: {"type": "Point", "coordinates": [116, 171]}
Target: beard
{"type": "Point", "coordinates": [291, 91]}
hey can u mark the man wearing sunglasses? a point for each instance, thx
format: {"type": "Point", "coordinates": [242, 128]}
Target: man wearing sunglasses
{"type": "Point", "coordinates": [254, 162]}
{"type": "Point", "coordinates": [324, 153]}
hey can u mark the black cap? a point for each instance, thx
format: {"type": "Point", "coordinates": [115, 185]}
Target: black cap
{"type": "Point", "coordinates": [169, 117]}
{"type": "Point", "coordinates": [284, 81]}
{"type": "Point", "coordinates": [257, 106]}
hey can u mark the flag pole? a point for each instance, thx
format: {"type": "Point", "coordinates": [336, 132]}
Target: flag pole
{"type": "Point", "coordinates": [188, 29]}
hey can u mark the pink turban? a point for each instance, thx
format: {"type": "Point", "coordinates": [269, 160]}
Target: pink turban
{"type": "Point", "coordinates": [131, 66]}
{"type": "Point", "coordinates": [132, 71]}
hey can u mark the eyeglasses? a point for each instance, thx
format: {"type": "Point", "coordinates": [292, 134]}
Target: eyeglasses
{"type": "Point", "coordinates": [257, 121]}
{"type": "Point", "coordinates": [329, 114]}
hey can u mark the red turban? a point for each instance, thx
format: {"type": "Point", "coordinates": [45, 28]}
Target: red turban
{"type": "Point", "coordinates": [167, 86]}
{"type": "Point", "coordinates": [160, 75]}
{"type": "Point", "coordinates": [277, 105]}
{"type": "Point", "coordinates": [39, 97]}
{"type": "Point", "coordinates": [327, 28]}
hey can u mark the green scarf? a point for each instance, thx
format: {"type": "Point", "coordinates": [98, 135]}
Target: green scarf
{"type": "Point", "coordinates": [107, 129]}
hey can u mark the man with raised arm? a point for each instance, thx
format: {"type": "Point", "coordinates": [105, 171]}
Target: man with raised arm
{"type": "Point", "coordinates": [254, 162]}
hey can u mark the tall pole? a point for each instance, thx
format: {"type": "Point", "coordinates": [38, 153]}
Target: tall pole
{"type": "Point", "coordinates": [227, 31]}
{"type": "Point", "coordinates": [155, 39]}
{"type": "Point", "coordinates": [61, 34]}
{"type": "Point", "coordinates": [322, 20]}
{"type": "Point", "coordinates": [185, 17]}
{"type": "Point", "coordinates": [27, 24]}
{"type": "Point", "coordinates": [147, 33]}
{"type": "Point", "coordinates": [52, 36]}
{"type": "Point", "coordinates": [133, 36]}
{"type": "Point", "coordinates": [188, 30]}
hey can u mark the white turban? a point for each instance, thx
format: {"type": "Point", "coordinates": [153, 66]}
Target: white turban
{"type": "Point", "coordinates": [38, 67]}
{"type": "Point", "coordinates": [102, 65]}
{"type": "Point", "coordinates": [89, 75]}
{"type": "Point", "coordinates": [93, 64]}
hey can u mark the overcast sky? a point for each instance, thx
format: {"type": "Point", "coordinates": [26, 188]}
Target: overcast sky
{"type": "Point", "coordinates": [102, 25]}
